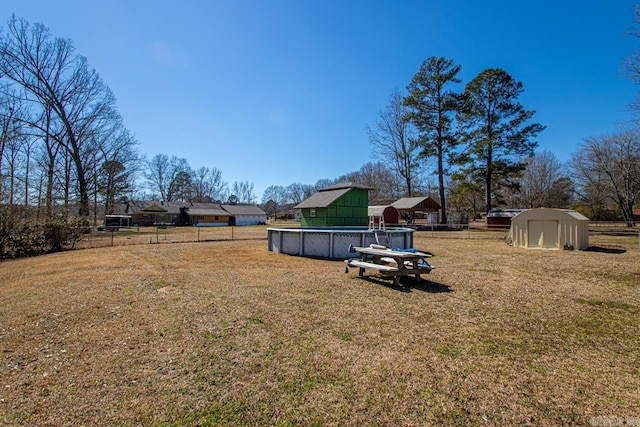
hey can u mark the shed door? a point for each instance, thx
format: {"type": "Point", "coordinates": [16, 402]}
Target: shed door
{"type": "Point", "coordinates": [543, 234]}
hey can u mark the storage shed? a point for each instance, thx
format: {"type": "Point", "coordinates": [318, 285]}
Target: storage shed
{"type": "Point", "coordinates": [411, 208]}
{"type": "Point", "coordinates": [342, 204]}
{"type": "Point", "coordinates": [382, 216]}
{"type": "Point", "coordinates": [550, 229]}
{"type": "Point", "coordinates": [501, 218]}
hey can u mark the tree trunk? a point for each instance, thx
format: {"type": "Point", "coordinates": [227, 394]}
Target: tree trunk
{"type": "Point", "coordinates": [488, 182]}
{"type": "Point", "coordinates": [443, 204]}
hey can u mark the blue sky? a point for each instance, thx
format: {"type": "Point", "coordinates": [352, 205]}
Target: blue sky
{"type": "Point", "coordinates": [281, 91]}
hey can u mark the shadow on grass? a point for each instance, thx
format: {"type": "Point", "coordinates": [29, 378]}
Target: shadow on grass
{"type": "Point", "coordinates": [605, 250]}
{"type": "Point", "coordinates": [409, 284]}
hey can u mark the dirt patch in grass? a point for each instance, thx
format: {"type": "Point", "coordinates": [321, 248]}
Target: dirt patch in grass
{"type": "Point", "coordinates": [227, 333]}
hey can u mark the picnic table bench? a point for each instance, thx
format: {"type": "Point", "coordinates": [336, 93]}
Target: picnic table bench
{"type": "Point", "coordinates": [391, 262]}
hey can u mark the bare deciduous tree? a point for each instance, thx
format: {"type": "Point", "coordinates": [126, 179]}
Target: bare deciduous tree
{"type": "Point", "coordinates": [298, 192]}
{"type": "Point", "coordinates": [58, 80]}
{"type": "Point", "coordinates": [387, 186]}
{"type": "Point", "coordinates": [544, 183]}
{"type": "Point", "coordinates": [120, 162]}
{"type": "Point", "coordinates": [11, 124]}
{"type": "Point", "coordinates": [393, 139]}
{"type": "Point", "coordinates": [631, 64]}
{"type": "Point", "coordinates": [611, 165]}
{"type": "Point", "coordinates": [166, 176]}
{"type": "Point", "coordinates": [274, 198]}
{"type": "Point", "coordinates": [208, 185]}
{"type": "Point", "coordinates": [242, 192]}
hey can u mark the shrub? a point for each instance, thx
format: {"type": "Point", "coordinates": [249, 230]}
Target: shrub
{"type": "Point", "coordinates": [23, 235]}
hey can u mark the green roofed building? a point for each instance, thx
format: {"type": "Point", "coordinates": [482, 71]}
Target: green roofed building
{"type": "Point", "coordinates": [339, 205]}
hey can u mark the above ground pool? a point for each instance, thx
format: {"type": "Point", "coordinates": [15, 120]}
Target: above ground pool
{"type": "Point", "coordinates": [333, 242]}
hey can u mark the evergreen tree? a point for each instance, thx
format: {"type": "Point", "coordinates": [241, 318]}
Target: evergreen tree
{"type": "Point", "coordinates": [432, 107]}
{"type": "Point", "coordinates": [496, 129]}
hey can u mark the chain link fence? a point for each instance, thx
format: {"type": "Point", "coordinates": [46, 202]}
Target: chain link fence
{"type": "Point", "coordinates": [126, 236]}
{"type": "Point", "coordinates": [121, 236]}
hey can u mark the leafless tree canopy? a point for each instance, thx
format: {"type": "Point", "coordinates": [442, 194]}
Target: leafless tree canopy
{"type": "Point", "coordinates": [242, 192]}
{"type": "Point", "coordinates": [63, 143]}
{"type": "Point", "coordinates": [544, 183]}
{"type": "Point", "coordinates": [631, 64]}
{"type": "Point", "coordinates": [71, 122]}
{"type": "Point", "coordinates": [607, 170]}
{"type": "Point", "coordinates": [394, 141]}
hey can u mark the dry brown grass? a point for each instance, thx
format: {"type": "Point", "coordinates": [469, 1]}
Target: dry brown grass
{"type": "Point", "coordinates": [226, 333]}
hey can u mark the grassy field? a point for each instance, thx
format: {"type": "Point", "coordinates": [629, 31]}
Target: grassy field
{"type": "Point", "coordinates": [226, 333]}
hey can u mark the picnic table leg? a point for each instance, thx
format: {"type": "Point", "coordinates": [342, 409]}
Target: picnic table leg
{"type": "Point", "coordinates": [361, 272]}
{"type": "Point", "coordinates": [416, 267]}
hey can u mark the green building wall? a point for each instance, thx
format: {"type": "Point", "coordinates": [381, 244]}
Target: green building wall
{"type": "Point", "coordinates": [351, 209]}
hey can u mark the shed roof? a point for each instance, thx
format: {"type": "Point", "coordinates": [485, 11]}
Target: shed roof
{"type": "Point", "coordinates": [379, 210]}
{"type": "Point", "coordinates": [415, 203]}
{"type": "Point", "coordinates": [322, 198]}
{"type": "Point", "coordinates": [342, 185]}
{"type": "Point", "coordinates": [376, 210]}
{"type": "Point", "coordinates": [549, 212]}
{"type": "Point", "coordinates": [325, 196]}
{"type": "Point", "coordinates": [577, 215]}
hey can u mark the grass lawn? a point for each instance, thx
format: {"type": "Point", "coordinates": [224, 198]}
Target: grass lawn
{"type": "Point", "coordinates": [227, 333]}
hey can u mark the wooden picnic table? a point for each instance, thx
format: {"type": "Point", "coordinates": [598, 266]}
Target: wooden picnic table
{"type": "Point", "coordinates": [391, 262]}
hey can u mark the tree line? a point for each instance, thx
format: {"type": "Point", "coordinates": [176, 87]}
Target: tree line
{"type": "Point", "coordinates": [63, 143]}
{"type": "Point", "coordinates": [432, 120]}
{"type": "Point", "coordinates": [64, 146]}
{"type": "Point", "coordinates": [482, 141]}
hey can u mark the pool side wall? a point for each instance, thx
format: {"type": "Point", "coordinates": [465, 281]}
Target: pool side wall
{"type": "Point", "coordinates": [332, 243]}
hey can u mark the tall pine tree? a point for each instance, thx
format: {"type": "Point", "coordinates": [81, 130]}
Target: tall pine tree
{"type": "Point", "coordinates": [432, 106]}
{"type": "Point", "coordinates": [496, 129]}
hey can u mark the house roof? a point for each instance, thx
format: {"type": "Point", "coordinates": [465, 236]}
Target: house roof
{"type": "Point", "coordinates": [208, 211]}
{"type": "Point", "coordinates": [415, 203]}
{"type": "Point", "coordinates": [135, 205]}
{"type": "Point", "coordinates": [155, 206]}
{"type": "Point", "coordinates": [201, 208]}
{"type": "Point", "coordinates": [326, 196]}
{"type": "Point", "coordinates": [243, 210]}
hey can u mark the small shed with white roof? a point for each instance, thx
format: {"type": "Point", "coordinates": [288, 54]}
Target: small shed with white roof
{"type": "Point", "coordinates": [550, 229]}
